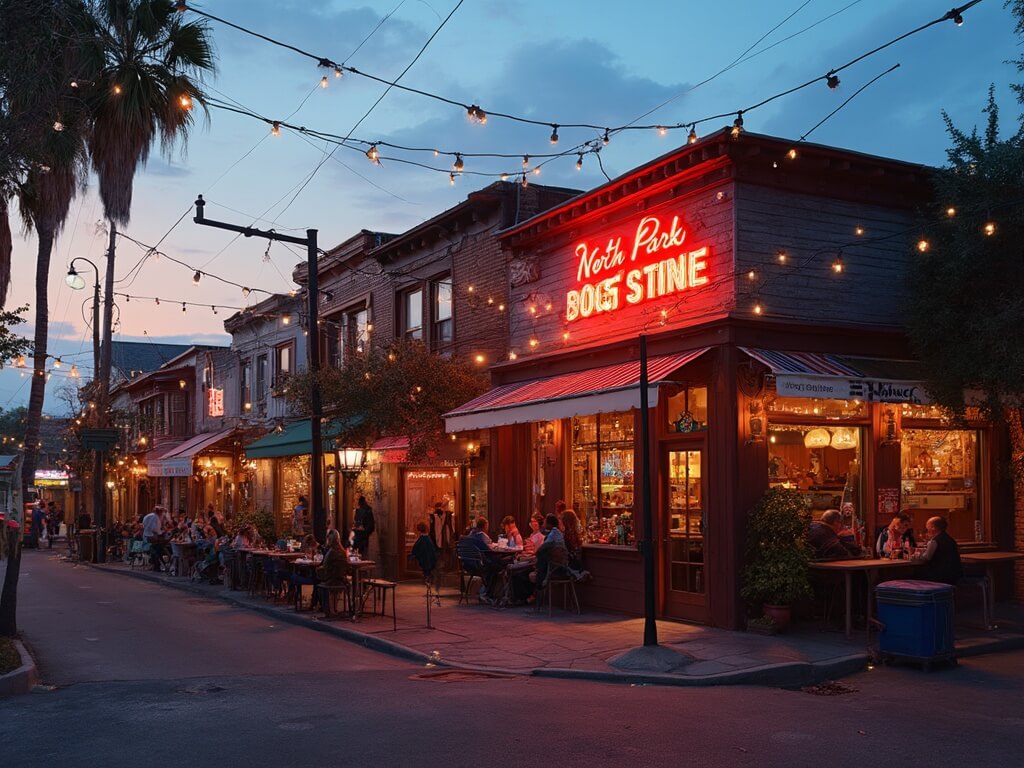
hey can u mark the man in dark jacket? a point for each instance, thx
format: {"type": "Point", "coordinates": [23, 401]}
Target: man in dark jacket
{"type": "Point", "coordinates": [363, 526]}
{"type": "Point", "coordinates": [942, 557]}
{"type": "Point", "coordinates": [823, 536]}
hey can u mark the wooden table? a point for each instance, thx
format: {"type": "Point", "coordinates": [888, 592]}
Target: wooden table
{"type": "Point", "coordinates": [871, 569]}
{"type": "Point", "coordinates": [990, 560]}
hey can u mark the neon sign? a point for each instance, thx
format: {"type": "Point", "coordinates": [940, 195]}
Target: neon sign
{"type": "Point", "coordinates": [611, 277]}
{"type": "Point", "coordinates": [214, 402]}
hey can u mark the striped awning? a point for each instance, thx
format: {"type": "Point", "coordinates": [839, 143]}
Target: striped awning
{"type": "Point", "coordinates": [596, 390]}
{"type": "Point", "coordinates": [843, 377]}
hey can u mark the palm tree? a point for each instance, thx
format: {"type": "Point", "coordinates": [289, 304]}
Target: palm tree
{"type": "Point", "coordinates": [151, 62]}
{"type": "Point", "coordinates": [45, 169]}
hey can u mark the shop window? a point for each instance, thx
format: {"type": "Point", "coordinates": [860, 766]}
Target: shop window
{"type": "Point", "coordinates": [822, 462]}
{"type": "Point", "coordinates": [245, 386]}
{"type": "Point", "coordinates": [687, 409]}
{"type": "Point", "coordinates": [940, 472]}
{"type": "Point", "coordinates": [261, 378]}
{"type": "Point", "coordinates": [602, 477]}
{"type": "Point", "coordinates": [443, 329]}
{"type": "Point", "coordinates": [284, 363]}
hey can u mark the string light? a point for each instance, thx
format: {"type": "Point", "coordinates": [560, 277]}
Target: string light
{"type": "Point", "coordinates": [554, 134]}
{"type": "Point", "coordinates": [989, 228]}
{"type": "Point", "coordinates": [373, 154]}
{"type": "Point", "coordinates": [476, 114]}
{"type": "Point", "coordinates": [837, 265]}
{"type": "Point", "coordinates": [526, 161]}
{"type": "Point", "coordinates": [758, 309]}
{"type": "Point", "coordinates": [781, 256]}
{"type": "Point", "coordinates": [691, 137]}
{"type": "Point", "coordinates": [737, 125]}
{"type": "Point", "coordinates": [58, 126]}
{"type": "Point", "coordinates": [923, 246]}
{"type": "Point", "coordinates": [183, 307]}
{"type": "Point", "coordinates": [662, 130]}
{"type": "Point", "coordinates": [579, 162]}
{"type": "Point", "coordinates": [791, 154]}
{"type": "Point", "coordinates": [73, 373]}
{"type": "Point", "coordinates": [751, 275]}
{"type": "Point", "coordinates": [197, 277]}
{"type": "Point", "coordinates": [951, 212]}
{"type": "Point", "coordinates": [56, 362]}
{"type": "Point", "coordinates": [458, 165]}
{"type": "Point", "coordinates": [246, 291]}
{"type": "Point", "coordinates": [606, 138]}
{"type": "Point", "coordinates": [338, 72]}
{"type": "Point", "coordinates": [479, 359]}
{"type": "Point", "coordinates": [275, 128]}
{"type": "Point", "coordinates": [117, 90]}
{"type": "Point", "coordinates": [324, 82]}
{"type": "Point", "coordinates": [451, 179]}
{"type": "Point", "coordinates": [858, 231]}
{"type": "Point", "coordinates": [832, 80]}
{"type": "Point", "coordinates": [185, 101]}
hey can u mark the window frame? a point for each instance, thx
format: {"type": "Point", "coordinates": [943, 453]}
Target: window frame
{"type": "Point", "coordinates": [442, 329]}
{"type": "Point", "coordinates": [412, 333]}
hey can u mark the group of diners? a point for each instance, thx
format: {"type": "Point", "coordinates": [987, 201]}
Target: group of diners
{"type": "Point", "coordinates": [513, 567]}
{"type": "Point", "coordinates": [938, 560]}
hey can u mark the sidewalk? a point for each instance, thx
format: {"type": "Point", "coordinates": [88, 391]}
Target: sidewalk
{"type": "Point", "coordinates": [521, 641]}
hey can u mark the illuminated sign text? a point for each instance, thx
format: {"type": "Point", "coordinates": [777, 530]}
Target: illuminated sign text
{"type": "Point", "coordinates": [214, 402]}
{"type": "Point", "coordinates": [612, 276]}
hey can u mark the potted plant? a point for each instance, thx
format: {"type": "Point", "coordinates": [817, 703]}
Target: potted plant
{"type": "Point", "coordinates": [777, 554]}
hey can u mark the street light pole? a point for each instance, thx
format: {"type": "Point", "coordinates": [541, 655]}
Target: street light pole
{"type": "Point", "coordinates": [312, 353]}
{"type": "Point", "coordinates": [77, 282]}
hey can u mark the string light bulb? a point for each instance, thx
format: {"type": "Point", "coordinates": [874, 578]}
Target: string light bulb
{"type": "Point", "coordinates": [758, 309]}
{"type": "Point", "coordinates": [57, 362]}
{"type": "Point", "coordinates": [923, 245]}
{"type": "Point", "coordinates": [554, 134]}
{"type": "Point", "coordinates": [275, 128]}
{"type": "Point", "coordinates": [183, 307]}
{"type": "Point", "coordinates": [185, 102]}
{"type": "Point", "coordinates": [792, 154]}
{"type": "Point", "coordinates": [117, 89]}
{"type": "Point", "coordinates": [837, 265]}
{"type": "Point", "coordinates": [476, 115]}
{"type": "Point", "coordinates": [989, 228]}
{"type": "Point", "coordinates": [451, 178]}
{"type": "Point", "coordinates": [534, 342]}
{"type": "Point", "coordinates": [458, 165]}
{"type": "Point", "coordinates": [58, 126]}
{"type": "Point", "coordinates": [606, 138]}
{"type": "Point", "coordinates": [324, 82]}
{"type": "Point", "coordinates": [286, 320]}
{"type": "Point", "coordinates": [955, 17]}
{"type": "Point", "coordinates": [858, 231]}
{"type": "Point", "coordinates": [526, 161]}
{"type": "Point", "coordinates": [197, 277]}
{"type": "Point", "coordinates": [372, 154]}
{"type": "Point", "coordinates": [781, 256]}
{"type": "Point", "coordinates": [504, 177]}
{"type": "Point", "coordinates": [579, 162]}
{"type": "Point", "coordinates": [737, 125]}
{"type": "Point", "coordinates": [691, 137]}
{"type": "Point", "coordinates": [73, 373]}
{"type": "Point", "coordinates": [662, 130]}
{"type": "Point", "coordinates": [338, 72]}
{"type": "Point", "coordinates": [524, 182]}
{"type": "Point", "coordinates": [951, 212]}
{"type": "Point", "coordinates": [246, 291]}
{"type": "Point", "coordinates": [832, 80]}
{"type": "Point", "coordinates": [751, 275]}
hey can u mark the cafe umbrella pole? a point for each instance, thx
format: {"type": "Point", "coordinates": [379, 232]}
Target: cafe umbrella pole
{"type": "Point", "coordinates": [650, 626]}
{"type": "Point", "coordinates": [312, 353]}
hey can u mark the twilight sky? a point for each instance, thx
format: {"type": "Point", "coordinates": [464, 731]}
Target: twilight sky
{"type": "Point", "coordinates": [567, 61]}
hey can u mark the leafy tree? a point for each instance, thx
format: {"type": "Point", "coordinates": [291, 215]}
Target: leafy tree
{"type": "Point", "coordinates": [778, 555]}
{"type": "Point", "coordinates": [401, 390]}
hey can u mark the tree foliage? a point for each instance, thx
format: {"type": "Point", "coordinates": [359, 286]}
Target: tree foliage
{"type": "Point", "coordinates": [967, 289]}
{"type": "Point", "coordinates": [777, 552]}
{"type": "Point", "coordinates": [401, 390]}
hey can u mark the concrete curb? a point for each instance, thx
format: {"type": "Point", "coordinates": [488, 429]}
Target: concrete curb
{"type": "Point", "coordinates": [24, 678]}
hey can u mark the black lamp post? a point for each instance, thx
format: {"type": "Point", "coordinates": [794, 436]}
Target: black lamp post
{"type": "Point", "coordinates": [350, 463]}
{"type": "Point", "coordinates": [77, 282]}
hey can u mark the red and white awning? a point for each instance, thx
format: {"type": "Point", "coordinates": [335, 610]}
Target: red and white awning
{"type": "Point", "coordinates": [597, 390]}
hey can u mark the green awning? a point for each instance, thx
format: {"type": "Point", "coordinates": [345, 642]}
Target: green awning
{"type": "Point", "coordinates": [296, 439]}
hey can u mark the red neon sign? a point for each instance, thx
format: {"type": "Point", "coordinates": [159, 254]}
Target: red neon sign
{"type": "Point", "coordinates": [612, 276]}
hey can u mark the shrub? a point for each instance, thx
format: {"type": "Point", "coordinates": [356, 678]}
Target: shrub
{"type": "Point", "coordinates": [777, 550]}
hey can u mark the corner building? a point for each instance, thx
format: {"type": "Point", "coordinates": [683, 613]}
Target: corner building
{"type": "Point", "coordinates": [769, 281]}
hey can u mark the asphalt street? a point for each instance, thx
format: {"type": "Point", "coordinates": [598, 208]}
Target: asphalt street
{"type": "Point", "coordinates": [137, 674]}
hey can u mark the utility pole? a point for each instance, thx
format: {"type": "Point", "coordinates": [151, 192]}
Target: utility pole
{"type": "Point", "coordinates": [650, 625]}
{"type": "Point", "coordinates": [312, 353]}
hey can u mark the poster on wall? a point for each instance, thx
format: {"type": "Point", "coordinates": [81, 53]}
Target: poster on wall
{"type": "Point", "coordinates": [888, 502]}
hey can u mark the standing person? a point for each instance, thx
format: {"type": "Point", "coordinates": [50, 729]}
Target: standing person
{"type": "Point", "coordinates": [442, 533]}
{"type": "Point", "coordinates": [214, 522]}
{"type": "Point", "coordinates": [38, 521]}
{"type": "Point", "coordinates": [56, 518]}
{"type": "Point", "coordinates": [153, 534]}
{"type": "Point", "coordinates": [363, 526]}
{"type": "Point", "coordinates": [299, 516]}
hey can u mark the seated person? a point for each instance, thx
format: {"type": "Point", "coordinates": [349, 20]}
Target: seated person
{"type": "Point", "coordinates": [211, 563]}
{"type": "Point", "coordinates": [425, 554]}
{"type": "Point", "coordinates": [901, 529]}
{"type": "Point", "coordinates": [536, 538]}
{"type": "Point", "coordinates": [571, 532]}
{"type": "Point", "coordinates": [335, 568]}
{"type": "Point", "coordinates": [941, 559]}
{"type": "Point", "coordinates": [492, 562]}
{"type": "Point", "coordinates": [547, 559]}
{"type": "Point", "coordinates": [243, 539]}
{"type": "Point", "coordinates": [515, 538]}
{"type": "Point", "coordinates": [310, 547]}
{"type": "Point", "coordinates": [823, 536]}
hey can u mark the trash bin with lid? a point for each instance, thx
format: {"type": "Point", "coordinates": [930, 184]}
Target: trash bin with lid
{"type": "Point", "coordinates": [86, 546]}
{"type": "Point", "coordinates": [917, 620]}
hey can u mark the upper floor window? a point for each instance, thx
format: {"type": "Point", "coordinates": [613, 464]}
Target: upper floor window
{"type": "Point", "coordinates": [412, 314]}
{"type": "Point", "coordinates": [245, 385]}
{"type": "Point", "coordinates": [442, 312]}
{"type": "Point", "coordinates": [260, 390]}
{"type": "Point", "coordinates": [284, 363]}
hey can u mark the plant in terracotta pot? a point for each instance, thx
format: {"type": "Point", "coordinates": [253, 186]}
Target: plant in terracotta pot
{"type": "Point", "coordinates": [777, 554]}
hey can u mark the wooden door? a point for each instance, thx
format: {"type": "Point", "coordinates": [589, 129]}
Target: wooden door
{"type": "Point", "coordinates": [684, 522]}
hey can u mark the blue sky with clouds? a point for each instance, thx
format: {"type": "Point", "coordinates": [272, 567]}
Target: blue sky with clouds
{"type": "Point", "coordinates": [559, 62]}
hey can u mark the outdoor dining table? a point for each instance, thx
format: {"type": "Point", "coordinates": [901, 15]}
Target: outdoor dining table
{"type": "Point", "coordinates": [990, 560]}
{"type": "Point", "coordinates": [871, 569]}
{"type": "Point", "coordinates": [359, 590]}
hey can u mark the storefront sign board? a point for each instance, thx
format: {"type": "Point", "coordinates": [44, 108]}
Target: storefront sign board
{"type": "Point", "coordinates": [181, 467]}
{"type": "Point", "coordinates": [844, 388]}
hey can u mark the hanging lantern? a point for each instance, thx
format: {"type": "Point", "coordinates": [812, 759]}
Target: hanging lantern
{"type": "Point", "coordinates": [843, 439]}
{"type": "Point", "coordinates": [818, 438]}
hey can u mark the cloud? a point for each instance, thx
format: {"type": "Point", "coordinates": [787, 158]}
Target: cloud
{"type": "Point", "coordinates": [167, 168]}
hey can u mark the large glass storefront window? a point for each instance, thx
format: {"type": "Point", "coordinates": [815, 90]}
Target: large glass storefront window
{"type": "Point", "coordinates": [822, 462]}
{"type": "Point", "coordinates": [602, 477]}
{"type": "Point", "coordinates": [687, 409]}
{"type": "Point", "coordinates": [940, 477]}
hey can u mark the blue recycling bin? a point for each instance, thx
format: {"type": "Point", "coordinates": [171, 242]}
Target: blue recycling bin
{"type": "Point", "coordinates": [917, 619]}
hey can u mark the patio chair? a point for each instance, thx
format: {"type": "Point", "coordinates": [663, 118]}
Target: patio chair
{"type": "Point", "coordinates": [138, 553]}
{"type": "Point", "coordinates": [558, 577]}
{"type": "Point", "coordinates": [471, 566]}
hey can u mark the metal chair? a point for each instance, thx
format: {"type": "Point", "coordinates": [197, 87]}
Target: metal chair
{"type": "Point", "coordinates": [558, 575]}
{"type": "Point", "coordinates": [471, 566]}
{"type": "Point", "coordinates": [981, 583]}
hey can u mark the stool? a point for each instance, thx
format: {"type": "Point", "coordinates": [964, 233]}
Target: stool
{"type": "Point", "coordinates": [381, 587]}
{"type": "Point", "coordinates": [329, 594]}
{"type": "Point", "coordinates": [568, 585]}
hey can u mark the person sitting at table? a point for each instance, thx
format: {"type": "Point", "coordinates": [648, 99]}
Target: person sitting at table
{"type": "Point", "coordinates": [901, 529]}
{"type": "Point", "coordinates": [333, 572]}
{"type": "Point", "coordinates": [536, 538]}
{"type": "Point", "coordinates": [941, 558]}
{"type": "Point", "coordinates": [492, 563]}
{"type": "Point", "coordinates": [425, 553]}
{"type": "Point", "coordinates": [310, 547]}
{"type": "Point", "coordinates": [823, 536]}
{"type": "Point", "coordinates": [211, 562]}
{"type": "Point", "coordinates": [571, 532]}
{"type": "Point", "coordinates": [515, 538]}
{"type": "Point", "coordinates": [553, 540]}
{"type": "Point", "coordinates": [243, 538]}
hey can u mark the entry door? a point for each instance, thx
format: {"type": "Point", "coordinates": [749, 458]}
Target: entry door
{"type": "Point", "coordinates": [685, 521]}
